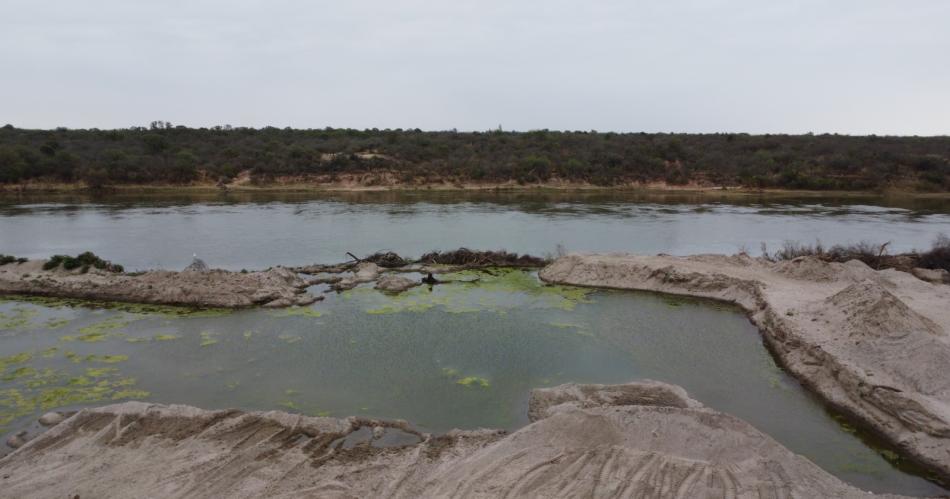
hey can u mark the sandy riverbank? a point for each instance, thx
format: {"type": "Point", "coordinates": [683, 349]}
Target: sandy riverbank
{"type": "Point", "coordinates": [388, 183]}
{"type": "Point", "coordinates": [276, 287]}
{"type": "Point", "coordinates": [643, 439]}
{"type": "Point", "coordinates": [872, 344]}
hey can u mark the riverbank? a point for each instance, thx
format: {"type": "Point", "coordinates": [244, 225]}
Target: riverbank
{"type": "Point", "coordinates": [870, 343]}
{"type": "Point", "coordinates": [275, 287]}
{"type": "Point", "coordinates": [644, 438]}
{"type": "Point", "coordinates": [372, 184]}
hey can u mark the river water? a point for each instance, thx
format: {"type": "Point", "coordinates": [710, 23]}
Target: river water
{"type": "Point", "coordinates": [461, 355]}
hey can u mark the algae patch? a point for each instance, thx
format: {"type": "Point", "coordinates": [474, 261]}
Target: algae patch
{"type": "Point", "coordinates": [208, 338]}
{"type": "Point", "coordinates": [298, 312]}
{"type": "Point", "coordinates": [467, 381]}
{"type": "Point", "coordinates": [28, 388]}
{"type": "Point", "coordinates": [488, 290]}
{"type": "Point", "coordinates": [474, 381]}
{"type": "Point", "coordinates": [98, 331]}
{"type": "Point", "coordinates": [18, 318]}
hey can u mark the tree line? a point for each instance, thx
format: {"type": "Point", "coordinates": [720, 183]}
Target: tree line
{"type": "Point", "coordinates": [163, 153]}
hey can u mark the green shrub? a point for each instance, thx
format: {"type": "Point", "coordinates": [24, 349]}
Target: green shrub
{"type": "Point", "coordinates": [84, 260]}
{"type": "Point", "coordinates": [939, 255]}
{"type": "Point", "coordinates": [5, 259]}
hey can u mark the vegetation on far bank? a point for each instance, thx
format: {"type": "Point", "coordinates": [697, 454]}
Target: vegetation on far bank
{"type": "Point", "coordinates": [166, 154]}
{"type": "Point", "coordinates": [875, 256]}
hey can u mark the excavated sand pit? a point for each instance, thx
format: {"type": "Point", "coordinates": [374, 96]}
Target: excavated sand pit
{"type": "Point", "coordinates": [872, 344]}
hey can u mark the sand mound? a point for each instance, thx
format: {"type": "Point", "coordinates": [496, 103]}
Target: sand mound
{"type": "Point", "coordinates": [642, 439]}
{"type": "Point", "coordinates": [276, 287]}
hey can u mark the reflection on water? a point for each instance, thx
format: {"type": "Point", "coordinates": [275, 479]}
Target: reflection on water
{"type": "Point", "coordinates": [464, 354]}
{"type": "Point", "coordinates": [243, 230]}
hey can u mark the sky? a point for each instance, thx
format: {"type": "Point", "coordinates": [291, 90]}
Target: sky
{"type": "Point", "coordinates": [795, 66]}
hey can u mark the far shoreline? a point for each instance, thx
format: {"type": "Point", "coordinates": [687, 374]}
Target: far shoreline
{"type": "Point", "coordinates": [37, 188]}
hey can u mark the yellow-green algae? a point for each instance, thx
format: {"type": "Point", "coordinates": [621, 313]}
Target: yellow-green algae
{"type": "Point", "coordinates": [469, 381]}
{"type": "Point", "coordinates": [56, 323]}
{"type": "Point", "coordinates": [28, 389]}
{"type": "Point", "coordinates": [99, 331]}
{"type": "Point", "coordinates": [131, 308]}
{"type": "Point", "coordinates": [17, 318]}
{"type": "Point", "coordinates": [208, 338]}
{"type": "Point", "coordinates": [492, 290]}
{"type": "Point", "coordinates": [103, 359]}
{"type": "Point", "coordinates": [474, 381]}
{"type": "Point", "coordinates": [298, 312]}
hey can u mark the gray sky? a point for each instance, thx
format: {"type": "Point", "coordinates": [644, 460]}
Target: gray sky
{"type": "Point", "coordinates": [848, 66]}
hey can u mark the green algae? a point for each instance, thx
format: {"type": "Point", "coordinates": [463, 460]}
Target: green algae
{"type": "Point", "coordinates": [298, 312]}
{"type": "Point", "coordinates": [474, 381]}
{"type": "Point", "coordinates": [99, 331]}
{"type": "Point", "coordinates": [289, 404]}
{"type": "Point", "coordinates": [289, 338]}
{"type": "Point", "coordinates": [41, 390]}
{"type": "Point", "coordinates": [56, 323]}
{"type": "Point", "coordinates": [467, 381]}
{"type": "Point", "coordinates": [20, 372]}
{"type": "Point", "coordinates": [208, 338]}
{"type": "Point", "coordinates": [131, 308]}
{"type": "Point", "coordinates": [98, 372]}
{"type": "Point", "coordinates": [17, 358]}
{"type": "Point", "coordinates": [102, 359]}
{"type": "Point", "coordinates": [18, 318]}
{"type": "Point", "coordinates": [485, 290]}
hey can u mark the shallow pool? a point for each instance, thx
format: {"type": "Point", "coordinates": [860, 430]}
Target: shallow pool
{"type": "Point", "coordinates": [459, 355]}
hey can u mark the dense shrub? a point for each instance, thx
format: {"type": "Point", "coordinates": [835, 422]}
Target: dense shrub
{"type": "Point", "coordinates": [939, 255]}
{"type": "Point", "coordinates": [6, 259]}
{"type": "Point", "coordinates": [874, 255]}
{"type": "Point", "coordinates": [163, 153]}
{"type": "Point", "coordinates": [83, 261]}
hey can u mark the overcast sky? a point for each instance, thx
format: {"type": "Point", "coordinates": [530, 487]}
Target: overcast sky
{"type": "Point", "coordinates": [861, 66]}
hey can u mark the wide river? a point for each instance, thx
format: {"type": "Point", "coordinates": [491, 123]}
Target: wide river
{"type": "Point", "coordinates": [462, 355]}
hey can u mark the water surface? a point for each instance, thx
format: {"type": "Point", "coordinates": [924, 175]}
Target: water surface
{"type": "Point", "coordinates": [254, 231]}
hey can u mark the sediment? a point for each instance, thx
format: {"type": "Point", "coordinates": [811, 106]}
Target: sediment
{"type": "Point", "coordinates": [644, 439]}
{"type": "Point", "coordinates": [275, 287]}
{"type": "Point", "coordinates": [872, 344]}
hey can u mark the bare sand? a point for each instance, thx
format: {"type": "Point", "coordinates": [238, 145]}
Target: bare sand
{"type": "Point", "coordinates": [644, 439]}
{"type": "Point", "coordinates": [275, 287]}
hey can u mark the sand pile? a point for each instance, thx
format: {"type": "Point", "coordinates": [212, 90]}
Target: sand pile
{"type": "Point", "coordinates": [643, 439]}
{"type": "Point", "coordinates": [276, 287]}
